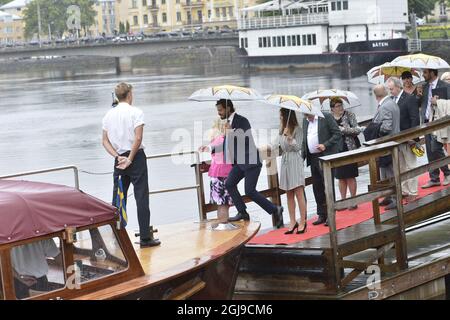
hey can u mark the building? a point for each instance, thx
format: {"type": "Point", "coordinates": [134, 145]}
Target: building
{"type": "Point", "coordinates": [105, 21]}
{"type": "Point", "coordinates": [11, 28]}
{"type": "Point", "coordinates": [169, 15]}
{"type": "Point", "coordinates": [440, 13]}
{"type": "Point", "coordinates": [15, 7]}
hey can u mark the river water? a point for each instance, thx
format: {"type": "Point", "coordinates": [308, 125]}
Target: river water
{"type": "Point", "coordinates": [50, 119]}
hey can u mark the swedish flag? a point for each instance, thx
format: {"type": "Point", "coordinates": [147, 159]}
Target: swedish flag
{"type": "Point", "coordinates": [121, 203]}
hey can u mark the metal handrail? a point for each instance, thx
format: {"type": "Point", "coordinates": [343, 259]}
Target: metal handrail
{"type": "Point", "coordinates": [29, 173]}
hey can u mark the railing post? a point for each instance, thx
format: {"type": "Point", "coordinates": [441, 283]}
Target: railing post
{"type": "Point", "coordinates": [402, 253]}
{"type": "Point", "coordinates": [373, 170]}
{"type": "Point", "coordinates": [272, 181]}
{"type": "Point", "coordinates": [200, 189]}
{"type": "Point", "coordinates": [331, 213]}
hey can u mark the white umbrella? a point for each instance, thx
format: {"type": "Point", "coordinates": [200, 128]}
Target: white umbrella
{"type": "Point", "coordinates": [420, 61]}
{"type": "Point", "coordinates": [228, 92]}
{"type": "Point", "coordinates": [293, 103]}
{"type": "Point", "coordinates": [380, 74]}
{"type": "Point", "coordinates": [321, 96]}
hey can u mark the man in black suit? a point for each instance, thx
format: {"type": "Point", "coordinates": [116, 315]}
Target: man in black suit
{"type": "Point", "coordinates": [435, 150]}
{"type": "Point", "coordinates": [409, 118]}
{"type": "Point", "coordinates": [321, 137]}
{"type": "Point", "coordinates": [240, 149]}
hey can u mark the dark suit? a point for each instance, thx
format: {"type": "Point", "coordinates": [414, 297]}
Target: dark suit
{"type": "Point", "coordinates": [242, 151]}
{"type": "Point", "coordinates": [409, 111]}
{"type": "Point", "coordinates": [331, 137]}
{"type": "Point", "coordinates": [435, 150]}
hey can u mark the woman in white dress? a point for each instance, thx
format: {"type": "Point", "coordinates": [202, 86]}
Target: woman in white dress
{"type": "Point", "coordinates": [292, 176]}
{"type": "Point", "coordinates": [441, 110]}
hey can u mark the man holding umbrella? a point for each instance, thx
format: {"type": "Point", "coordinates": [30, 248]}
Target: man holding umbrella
{"type": "Point", "coordinates": [240, 149]}
{"type": "Point", "coordinates": [434, 148]}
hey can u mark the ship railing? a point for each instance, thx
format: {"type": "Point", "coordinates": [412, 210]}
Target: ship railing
{"type": "Point", "coordinates": [387, 232]}
{"type": "Point", "coordinates": [49, 170]}
{"type": "Point", "coordinates": [282, 21]}
{"type": "Point", "coordinates": [414, 45]}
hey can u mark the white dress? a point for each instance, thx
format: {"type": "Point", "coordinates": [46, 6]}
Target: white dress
{"type": "Point", "coordinates": [292, 173]}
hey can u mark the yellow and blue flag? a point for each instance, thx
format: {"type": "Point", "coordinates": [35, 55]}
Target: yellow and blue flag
{"type": "Point", "coordinates": [121, 203]}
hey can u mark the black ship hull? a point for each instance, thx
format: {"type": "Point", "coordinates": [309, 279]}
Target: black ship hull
{"type": "Point", "coordinates": [367, 53]}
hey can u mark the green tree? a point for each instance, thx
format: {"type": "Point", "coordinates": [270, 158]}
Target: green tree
{"type": "Point", "coordinates": [121, 28]}
{"type": "Point", "coordinates": [128, 27]}
{"type": "Point", "coordinates": [421, 7]}
{"type": "Point", "coordinates": [54, 13]}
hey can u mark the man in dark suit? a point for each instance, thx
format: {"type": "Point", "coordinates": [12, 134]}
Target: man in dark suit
{"type": "Point", "coordinates": [240, 149]}
{"type": "Point", "coordinates": [409, 118]}
{"type": "Point", "coordinates": [321, 137]}
{"type": "Point", "coordinates": [435, 150]}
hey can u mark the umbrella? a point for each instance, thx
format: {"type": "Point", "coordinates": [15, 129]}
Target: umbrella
{"type": "Point", "coordinates": [323, 95]}
{"type": "Point", "coordinates": [420, 61]}
{"type": "Point", "coordinates": [293, 103]}
{"type": "Point", "coordinates": [380, 74]}
{"type": "Point", "coordinates": [227, 92]}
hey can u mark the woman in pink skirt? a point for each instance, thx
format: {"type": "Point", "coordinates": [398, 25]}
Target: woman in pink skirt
{"type": "Point", "coordinates": [218, 172]}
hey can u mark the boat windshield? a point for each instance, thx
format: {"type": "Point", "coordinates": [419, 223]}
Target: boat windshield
{"type": "Point", "coordinates": [97, 253]}
{"type": "Point", "coordinates": [38, 268]}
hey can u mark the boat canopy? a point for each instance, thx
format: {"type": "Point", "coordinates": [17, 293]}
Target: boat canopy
{"type": "Point", "coordinates": [31, 209]}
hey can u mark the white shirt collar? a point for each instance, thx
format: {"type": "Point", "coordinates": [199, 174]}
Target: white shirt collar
{"type": "Point", "coordinates": [231, 117]}
{"type": "Point", "coordinates": [434, 83]}
{"type": "Point", "coordinates": [315, 119]}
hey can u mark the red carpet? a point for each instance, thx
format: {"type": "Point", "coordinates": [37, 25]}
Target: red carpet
{"type": "Point", "coordinates": [344, 219]}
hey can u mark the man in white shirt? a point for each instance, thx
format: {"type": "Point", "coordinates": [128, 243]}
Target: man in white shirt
{"type": "Point", "coordinates": [435, 149]}
{"type": "Point", "coordinates": [123, 130]}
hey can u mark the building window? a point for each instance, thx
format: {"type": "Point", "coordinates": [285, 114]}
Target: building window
{"type": "Point", "coordinates": [155, 20]}
{"type": "Point", "coordinates": [314, 39]}
{"type": "Point", "coordinates": [268, 42]}
{"type": "Point", "coordinates": [309, 40]}
{"type": "Point", "coordinates": [163, 1]}
{"type": "Point", "coordinates": [246, 42]}
{"type": "Point", "coordinates": [333, 6]}
{"type": "Point", "coordinates": [144, 3]}
{"type": "Point", "coordinates": [294, 43]}
{"type": "Point", "coordinates": [217, 13]}
{"type": "Point", "coordinates": [200, 16]}
{"type": "Point", "coordinates": [345, 5]}
{"type": "Point", "coordinates": [230, 11]}
{"type": "Point", "coordinates": [209, 13]}
{"type": "Point", "coordinates": [299, 43]}
{"type": "Point", "coordinates": [283, 38]}
{"type": "Point", "coordinates": [274, 41]}
{"type": "Point", "coordinates": [164, 17]}
{"type": "Point", "coordinates": [264, 42]}
{"type": "Point", "coordinates": [278, 41]}
{"type": "Point", "coordinates": [134, 4]}
{"type": "Point", "coordinates": [145, 19]}
{"type": "Point", "coordinates": [289, 41]}
{"type": "Point", "coordinates": [339, 5]}
{"type": "Point", "coordinates": [135, 20]}
{"type": "Point", "coordinates": [242, 43]}
{"type": "Point", "coordinates": [224, 12]}
{"type": "Point", "coordinates": [260, 42]}
{"type": "Point", "coordinates": [304, 42]}
{"type": "Point", "coordinates": [178, 16]}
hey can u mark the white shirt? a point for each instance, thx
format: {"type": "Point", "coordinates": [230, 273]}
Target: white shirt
{"type": "Point", "coordinates": [313, 135]}
{"type": "Point", "coordinates": [231, 118]}
{"type": "Point", "coordinates": [31, 259]}
{"type": "Point", "coordinates": [398, 97]}
{"type": "Point", "coordinates": [120, 123]}
{"type": "Point", "coordinates": [432, 86]}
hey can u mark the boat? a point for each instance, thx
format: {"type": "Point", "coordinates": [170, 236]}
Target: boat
{"type": "Point", "coordinates": [321, 33]}
{"type": "Point", "coordinates": [57, 242]}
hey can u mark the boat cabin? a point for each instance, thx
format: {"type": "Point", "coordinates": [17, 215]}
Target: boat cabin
{"type": "Point", "coordinates": [57, 242]}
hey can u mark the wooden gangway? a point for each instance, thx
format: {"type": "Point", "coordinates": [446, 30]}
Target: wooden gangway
{"type": "Point", "coordinates": [325, 266]}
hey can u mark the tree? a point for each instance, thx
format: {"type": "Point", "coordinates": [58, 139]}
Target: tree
{"type": "Point", "coordinates": [128, 27]}
{"type": "Point", "coordinates": [421, 7]}
{"type": "Point", "coordinates": [54, 13]}
{"type": "Point", "coordinates": [121, 28]}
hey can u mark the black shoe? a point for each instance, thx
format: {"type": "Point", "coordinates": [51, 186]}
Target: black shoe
{"type": "Point", "coordinates": [293, 229]}
{"type": "Point", "coordinates": [145, 243]}
{"type": "Point", "coordinates": [326, 223]}
{"type": "Point", "coordinates": [385, 202]}
{"type": "Point", "coordinates": [321, 220]}
{"type": "Point", "coordinates": [279, 217]}
{"type": "Point", "coordinates": [303, 230]}
{"type": "Point", "coordinates": [240, 216]}
{"type": "Point", "coordinates": [391, 206]}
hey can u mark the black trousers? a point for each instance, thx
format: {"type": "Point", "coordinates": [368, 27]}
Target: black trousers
{"type": "Point", "coordinates": [435, 151]}
{"type": "Point", "coordinates": [251, 176]}
{"type": "Point", "coordinates": [319, 185]}
{"type": "Point", "coordinates": [22, 290]}
{"type": "Point", "coordinates": [137, 174]}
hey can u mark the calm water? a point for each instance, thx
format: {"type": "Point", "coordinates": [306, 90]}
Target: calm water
{"type": "Point", "coordinates": [48, 120]}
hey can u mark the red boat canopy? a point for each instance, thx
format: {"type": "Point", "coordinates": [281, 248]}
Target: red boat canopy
{"type": "Point", "coordinates": [31, 209]}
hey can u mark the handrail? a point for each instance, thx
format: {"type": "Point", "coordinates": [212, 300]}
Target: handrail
{"type": "Point", "coordinates": [29, 173]}
{"type": "Point", "coordinates": [412, 133]}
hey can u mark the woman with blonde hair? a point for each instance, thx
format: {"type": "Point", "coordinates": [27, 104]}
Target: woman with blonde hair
{"type": "Point", "coordinates": [218, 171]}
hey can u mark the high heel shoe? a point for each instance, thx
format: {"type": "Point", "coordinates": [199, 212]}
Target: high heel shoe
{"type": "Point", "coordinates": [303, 230]}
{"type": "Point", "coordinates": [292, 230]}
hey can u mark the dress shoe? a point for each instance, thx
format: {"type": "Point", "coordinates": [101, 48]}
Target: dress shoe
{"type": "Point", "coordinates": [321, 220]}
{"type": "Point", "coordinates": [240, 216]}
{"type": "Point", "coordinates": [293, 229]}
{"type": "Point", "coordinates": [431, 184]}
{"type": "Point", "coordinates": [145, 243]}
{"type": "Point", "coordinates": [385, 202]}
{"type": "Point", "coordinates": [303, 230]}
{"type": "Point", "coordinates": [391, 206]}
{"type": "Point", "coordinates": [326, 223]}
{"type": "Point", "coordinates": [279, 217]}
{"type": "Point", "coordinates": [446, 181]}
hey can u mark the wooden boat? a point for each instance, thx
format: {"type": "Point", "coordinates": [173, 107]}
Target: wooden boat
{"type": "Point", "coordinates": [73, 241]}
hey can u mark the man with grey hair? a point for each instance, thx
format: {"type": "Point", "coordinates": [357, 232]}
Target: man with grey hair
{"type": "Point", "coordinates": [388, 116]}
{"type": "Point", "coordinates": [409, 118]}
